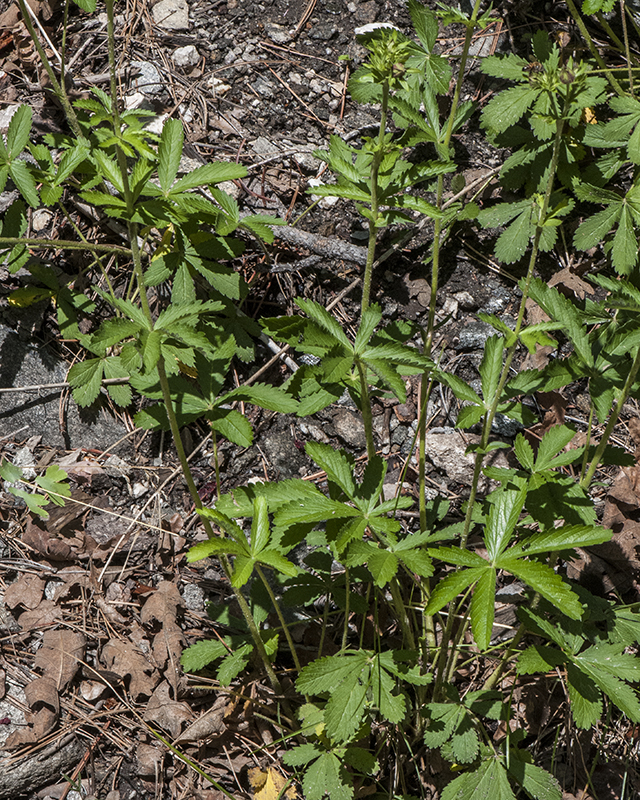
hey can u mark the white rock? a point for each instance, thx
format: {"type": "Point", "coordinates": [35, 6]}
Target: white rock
{"type": "Point", "coordinates": [324, 202]}
{"type": "Point", "coordinates": [218, 86]}
{"type": "Point", "coordinates": [40, 219]}
{"type": "Point", "coordinates": [172, 15]}
{"type": "Point", "coordinates": [186, 56]}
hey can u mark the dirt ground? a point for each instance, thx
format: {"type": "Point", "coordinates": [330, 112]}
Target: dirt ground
{"type": "Point", "coordinates": [261, 84]}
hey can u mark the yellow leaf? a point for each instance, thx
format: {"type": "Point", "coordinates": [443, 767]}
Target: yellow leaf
{"type": "Point", "coordinates": [164, 248]}
{"type": "Point", "coordinates": [28, 296]}
{"type": "Point", "coordinates": [192, 372]}
{"type": "Point", "coordinates": [589, 116]}
{"type": "Point", "coordinates": [268, 784]}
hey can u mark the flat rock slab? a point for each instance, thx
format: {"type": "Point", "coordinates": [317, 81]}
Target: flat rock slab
{"type": "Point", "coordinates": [37, 413]}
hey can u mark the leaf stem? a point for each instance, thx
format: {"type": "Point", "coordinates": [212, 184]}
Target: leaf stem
{"type": "Point", "coordinates": [278, 610]}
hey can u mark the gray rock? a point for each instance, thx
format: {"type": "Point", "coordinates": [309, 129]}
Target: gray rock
{"type": "Point", "coordinates": [193, 596]}
{"type": "Point", "coordinates": [186, 56]}
{"type": "Point", "coordinates": [38, 412]}
{"type": "Point", "coordinates": [147, 80]}
{"type": "Point", "coordinates": [350, 428]}
{"type": "Point", "coordinates": [446, 450]}
{"type": "Point", "coordinates": [499, 296]}
{"type": "Point", "coordinates": [263, 87]}
{"type": "Point", "coordinates": [324, 31]}
{"type": "Point", "coordinates": [474, 336]}
{"type": "Point", "coordinates": [277, 33]}
{"type": "Point", "coordinates": [172, 15]}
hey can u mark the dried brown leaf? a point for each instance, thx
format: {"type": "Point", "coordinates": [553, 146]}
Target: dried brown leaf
{"type": "Point", "coordinates": [210, 724]}
{"type": "Point", "coordinates": [27, 591]}
{"type": "Point", "coordinates": [149, 760]}
{"type": "Point", "coordinates": [162, 605]}
{"type": "Point", "coordinates": [48, 545]}
{"type": "Point", "coordinates": [124, 660]}
{"type": "Point", "coordinates": [45, 615]}
{"type": "Point", "coordinates": [42, 698]}
{"type": "Point", "coordinates": [165, 712]}
{"type": "Point", "coordinates": [571, 281]}
{"type": "Point", "coordinates": [60, 656]}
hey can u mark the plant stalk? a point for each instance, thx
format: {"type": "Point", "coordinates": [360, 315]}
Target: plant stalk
{"type": "Point", "coordinates": [58, 88]}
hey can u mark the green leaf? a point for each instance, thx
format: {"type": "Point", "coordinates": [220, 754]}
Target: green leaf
{"type": "Point", "coordinates": [624, 253]}
{"type": "Point", "coordinates": [491, 366]}
{"type": "Point", "coordinates": [323, 318]}
{"type": "Point", "coordinates": [563, 538]}
{"type": "Point", "coordinates": [328, 776]}
{"type": "Point", "coordinates": [265, 396]}
{"type": "Point", "coordinates": [524, 452]}
{"type": "Point", "coordinates": [382, 564]}
{"type": "Point", "coordinates": [425, 24]}
{"type": "Point", "coordinates": [537, 782]}
{"type": "Point", "coordinates": [234, 664]}
{"type": "Point", "coordinates": [86, 5]}
{"type": "Point", "coordinates": [482, 609]}
{"type": "Point", "coordinates": [544, 580]}
{"type": "Point", "coordinates": [325, 674]}
{"type": "Point", "coordinates": [450, 587]}
{"type": "Point", "coordinates": [9, 472]}
{"type": "Point", "coordinates": [170, 153]}
{"type": "Point", "coordinates": [25, 182]}
{"type": "Point", "coordinates": [488, 782]}
{"type": "Point", "coordinates": [506, 108]}
{"type": "Point", "coordinates": [18, 131]}
{"type": "Point", "coordinates": [585, 697]}
{"type": "Point", "coordinates": [232, 425]}
{"type": "Point", "coordinates": [601, 663]}
{"type": "Point", "coordinates": [201, 654]}
{"type": "Point", "coordinates": [336, 463]}
{"type": "Point", "coordinates": [53, 482]}
{"type": "Point", "coordinates": [209, 173]}
{"type": "Point", "coordinates": [345, 709]}
{"type": "Point", "coordinates": [562, 310]}
{"type": "Point", "coordinates": [506, 506]}
{"type": "Point", "coordinates": [86, 381]}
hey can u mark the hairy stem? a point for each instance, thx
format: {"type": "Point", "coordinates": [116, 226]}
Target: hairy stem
{"type": "Point", "coordinates": [373, 228]}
